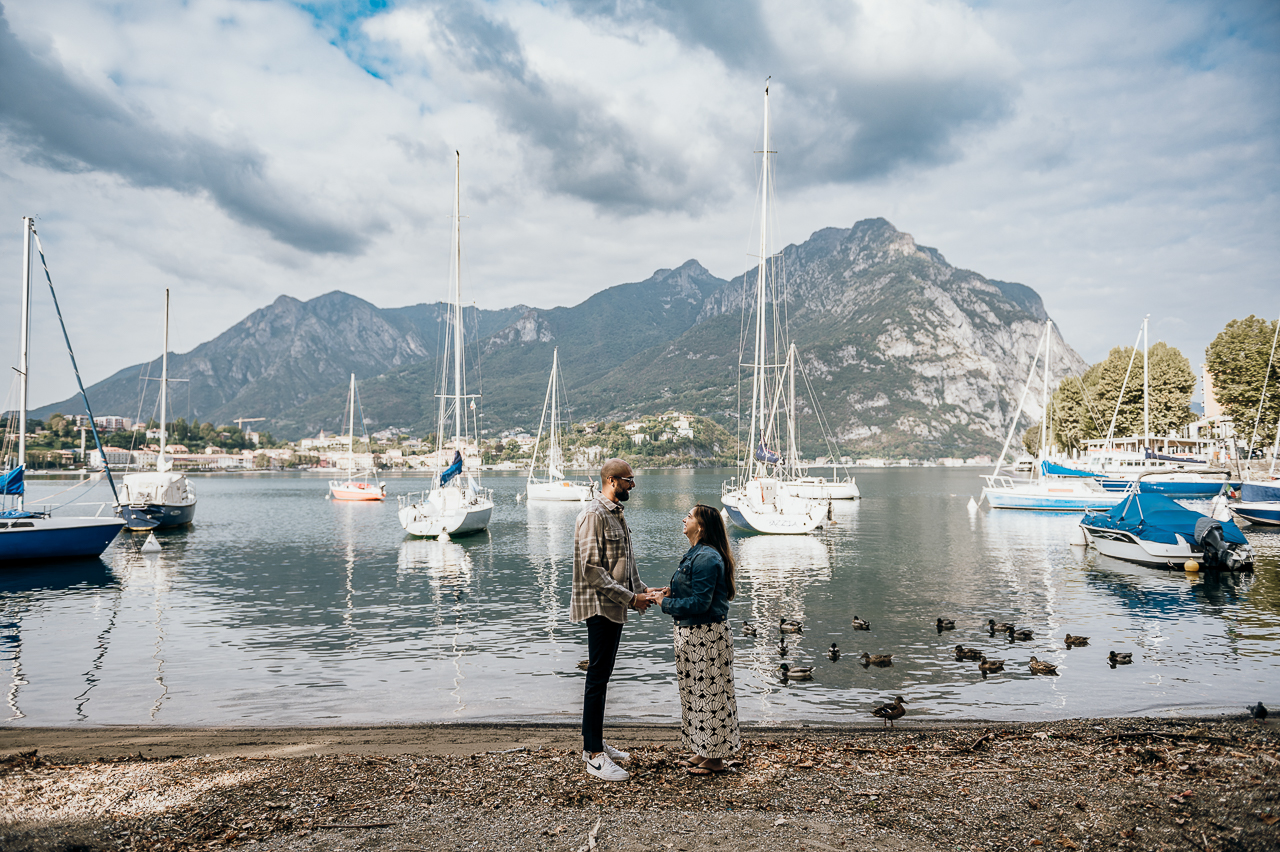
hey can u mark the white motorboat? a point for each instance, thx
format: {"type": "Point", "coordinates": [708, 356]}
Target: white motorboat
{"type": "Point", "coordinates": [161, 498]}
{"type": "Point", "coordinates": [1153, 529]}
{"type": "Point", "coordinates": [759, 499]}
{"type": "Point", "coordinates": [546, 475]}
{"type": "Point", "coordinates": [28, 533]}
{"type": "Point", "coordinates": [363, 485]}
{"type": "Point", "coordinates": [456, 503]}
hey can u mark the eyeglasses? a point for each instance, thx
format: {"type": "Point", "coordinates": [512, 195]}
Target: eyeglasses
{"type": "Point", "coordinates": [630, 480]}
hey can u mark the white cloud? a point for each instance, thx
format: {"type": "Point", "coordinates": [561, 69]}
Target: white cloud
{"type": "Point", "coordinates": [1118, 158]}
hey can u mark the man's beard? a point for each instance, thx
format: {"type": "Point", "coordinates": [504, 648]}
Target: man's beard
{"type": "Point", "coordinates": [623, 496]}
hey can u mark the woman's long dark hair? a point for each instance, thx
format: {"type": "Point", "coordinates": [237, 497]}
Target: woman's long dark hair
{"type": "Point", "coordinates": [714, 535]}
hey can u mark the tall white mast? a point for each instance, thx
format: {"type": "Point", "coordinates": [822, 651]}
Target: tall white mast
{"type": "Point", "coordinates": [27, 225]}
{"type": "Point", "coordinates": [457, 305]}
{"type": "Point", "coordinates": [758, 395]}
{"type": "Point", "coordinates": [793, 453]}
{"type": "Point", "coordinates": [554, 445]}
{"type": "Point", "coordinates": [1146, 386]}
{"type": "Point", "coordinates": [1044, 421]}
{"type": "Point", "coordinates": [161, 464]}
{"type": "Point", "coordinates": [351, 429]}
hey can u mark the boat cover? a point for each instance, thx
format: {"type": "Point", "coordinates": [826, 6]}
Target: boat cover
{"type": "Point", "coordinates": [1048, 468]}
{"type": "Point", "coordinates": [11, 482]}
{"type": "Point", "coordinates": [1155, 517]}
{"type": "Point", "coordinates": [766, 455]}
{"type": "Point", "coordinates": [1256, 492]}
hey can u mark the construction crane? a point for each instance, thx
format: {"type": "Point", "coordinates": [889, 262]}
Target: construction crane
{"type": "Point", "coordinates": [240, 421]}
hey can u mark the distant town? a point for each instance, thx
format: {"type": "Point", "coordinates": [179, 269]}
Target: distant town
{"type": "Point", "coordinates": [673, 439]}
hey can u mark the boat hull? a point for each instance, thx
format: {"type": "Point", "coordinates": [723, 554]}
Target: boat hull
{"type": "Point", "coordinates": [1177, 489]}
{"type": "Point", "coordinates": [819, 488]}
{"type": "Point", "coordinates": [357, 491]}
{"type": "Point", "coordinates": [764, 507]}
{"type": "Point", "coordinates": [446, 511]}
{"type": "Point", "coordinates": [30, 539]}
{"type": "Point", "coordinates": [1262, 513]}
{"type": "Point", "coordinates": [1069, 497]}
{"type": "Point", "coordinates": [562, 491]}
{"type": "Point", "coordinates": [157, 516]}
{"type": "Point", "coordinates": [1126, 546]}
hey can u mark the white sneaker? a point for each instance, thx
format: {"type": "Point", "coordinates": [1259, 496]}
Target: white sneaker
{"type": "Point", "coordinates": [615, 754]}
{"type": "Point", "coordinates": [605, 769]}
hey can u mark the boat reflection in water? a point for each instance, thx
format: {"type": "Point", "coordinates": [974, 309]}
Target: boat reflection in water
{"type": "Point", "coordinates": [775, 573]}
{"type": "Point", "coordinates": [449, 569]}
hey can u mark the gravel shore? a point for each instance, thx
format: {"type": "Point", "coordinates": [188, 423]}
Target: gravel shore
{"type": "Point", "coordinates": [1131, 784]}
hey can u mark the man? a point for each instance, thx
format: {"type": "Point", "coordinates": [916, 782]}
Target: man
{"type": "Point", "coordinates": [605, 585]}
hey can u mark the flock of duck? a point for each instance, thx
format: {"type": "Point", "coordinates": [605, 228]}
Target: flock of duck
{"type": "Point", "coordinates": [891, 711]}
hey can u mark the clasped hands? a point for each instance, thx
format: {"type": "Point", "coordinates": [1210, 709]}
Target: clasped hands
{"type": "Point", "coordinates": [653, 596]}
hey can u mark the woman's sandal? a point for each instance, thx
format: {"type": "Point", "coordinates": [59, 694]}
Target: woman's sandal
{"type": "Point", "coordinates": [698, 770]}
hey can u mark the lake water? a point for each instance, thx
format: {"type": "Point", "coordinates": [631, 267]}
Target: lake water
{"type": "Point", "coordinates": [282, 607]}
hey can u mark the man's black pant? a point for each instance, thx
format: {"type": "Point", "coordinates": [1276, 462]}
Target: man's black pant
{"type": "Point", "coordinates": [603, 637]}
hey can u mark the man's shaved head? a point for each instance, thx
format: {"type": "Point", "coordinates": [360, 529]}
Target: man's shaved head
{"type": "Point", "coordinates": [614, 467]}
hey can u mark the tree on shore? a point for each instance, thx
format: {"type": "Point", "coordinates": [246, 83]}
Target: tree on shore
{"type": "Point", "coordinates": [1237, 360]}
{"type": "Point", "coordinates": [1081, 408]}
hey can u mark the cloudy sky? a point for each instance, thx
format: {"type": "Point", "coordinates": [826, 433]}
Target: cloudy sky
{"type": "Point", "coordinates": [1119, 158]}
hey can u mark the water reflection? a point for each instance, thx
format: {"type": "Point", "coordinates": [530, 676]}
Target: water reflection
{"type": "Point", "coordinates": [280, 608]}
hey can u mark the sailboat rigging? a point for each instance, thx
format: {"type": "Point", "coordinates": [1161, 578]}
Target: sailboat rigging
{"type": "Point", "coordinates": [28, 533]}
{"type": "Point", "coordinates": [758, 500]}
{"type": "Point", "coordinates": [362, 485]}
{"type": "Point", "coordinates": [162, 498]}
{"type": "Point", "coordinates": [456, 504]}
{"type": "Point", "coordinates": [553, 485]}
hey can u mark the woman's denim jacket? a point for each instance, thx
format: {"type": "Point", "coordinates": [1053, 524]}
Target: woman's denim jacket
{"type": "Point", "coordinates": [699, 589]}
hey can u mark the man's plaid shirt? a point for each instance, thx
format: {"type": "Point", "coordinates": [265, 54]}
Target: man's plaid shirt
{"type": "Point", "coordinates": [605, 579]}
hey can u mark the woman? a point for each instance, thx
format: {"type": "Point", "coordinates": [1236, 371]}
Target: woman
{"type": "Point", "coordinates": [698, 599]}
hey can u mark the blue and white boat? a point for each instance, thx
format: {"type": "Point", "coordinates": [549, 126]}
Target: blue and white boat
{"type": "Point", "coordinates": [28, 533]}
{"type": "Point", "coordinates": [1154, 529]}
{"type": "Point", "coordinates": [1259, 503]}
{"type": "Point", "coordinates": [1178, 482]}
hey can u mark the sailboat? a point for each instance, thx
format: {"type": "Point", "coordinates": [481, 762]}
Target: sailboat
{"type": "Point", "coordinates": [1045, 491]}
{"type": "Point", "coordinates": [160, 498]}
{"type": "Point", "coordinates": [456, 504]}
{"type": "Point", "coordinates": [758, 500]}
{"type": "Point", "coordinates": [553, 485]}
{"type": "Point", "coordinates": [29, 534]}
{"type": "Point", "coordinates": [367, 486]}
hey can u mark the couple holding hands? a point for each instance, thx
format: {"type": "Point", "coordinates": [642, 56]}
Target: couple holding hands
{"type": "Point", "coordinates": [606, 584]}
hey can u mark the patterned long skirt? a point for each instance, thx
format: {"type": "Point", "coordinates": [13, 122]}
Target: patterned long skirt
{"type": "Point", "coordinates": [708, 703]}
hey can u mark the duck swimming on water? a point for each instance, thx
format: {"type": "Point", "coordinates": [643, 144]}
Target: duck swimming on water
{"type": "Point", "coordinates": [881, 660]}
{"type": "Point", "coordinates": [1042, 667]}
{"type": "Point", "coordinates": [790, 625]}
{"type": "Point", "coordinates": [971, 654]}
{"type": "Point", "coordinates": [859, 624]}
{"type": "Point", "coordinates": [946, 624]}
{"type": "Point", "coordinates": [795, 672]}
{"type": "Point", "coordinates": [747, 629]}
{"type": "Point", "coordinates": [833, 652]}
{"type": "Point", "coordinates": [1076, 641]}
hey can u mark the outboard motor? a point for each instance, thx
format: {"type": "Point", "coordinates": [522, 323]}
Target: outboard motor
{"type": "Point", "coordinates": [1217, 554]}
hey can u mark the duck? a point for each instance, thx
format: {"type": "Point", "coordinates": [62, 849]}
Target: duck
{"type": "Point", "coordinates": [1076, 641]}
{"type": "Point", "coordinates": [946, 624]}
{"type": "Point", "coordinates": [1121, 659]}
{"type": "Point", "coordinates": [790, 625]}
{"type": "Point", "coordinates": [890, 712]}
{"type": "Point", "coordinates": [859, 624]}
{"type": "Point", "coordinates": [795, 672]}
{"type": "Point", "coordinates": [1021, 635]}
{"type": "Point", "coordinates": [963, 653]}
{"type": "Point", "coordinates": [1258, 712]}
{"type": "Point", "coordinates": [986, 666]}
{"type": "Point", "coordinates": [584, 664]}
{"type": "Point", "coordinates": [748, 630]}
{"type": "Point", "coordinates": [995, 627]}
{"type": "Point", "coordinates": [782, 647]}
{"type": "Point", "coordinates": [833, 652]}
{"type": "Point", "coordinates": [1041, 667]}
{"type": "Point", "coordinates": [881, 660]}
